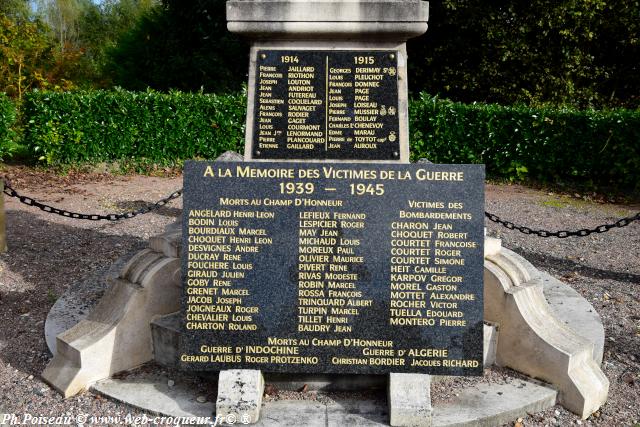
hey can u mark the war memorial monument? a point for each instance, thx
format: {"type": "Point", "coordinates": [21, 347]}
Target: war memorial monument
{"type": "Point", "coordinates": [324, 257]}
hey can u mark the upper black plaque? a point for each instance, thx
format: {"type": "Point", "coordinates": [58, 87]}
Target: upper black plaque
{"type": "Point", "coordinates": [326, 105]}
{"type": "Point", "coordinates": [344, 268]}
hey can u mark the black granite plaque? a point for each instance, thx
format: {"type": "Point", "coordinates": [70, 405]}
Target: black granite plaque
{"type": "Point", "coordinates": [344, 268]}
{"type": "Point", "coordinates": [326, 105]}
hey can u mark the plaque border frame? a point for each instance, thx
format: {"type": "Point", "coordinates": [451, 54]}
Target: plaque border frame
{"type": "Point", "coordinates": [301, 45]}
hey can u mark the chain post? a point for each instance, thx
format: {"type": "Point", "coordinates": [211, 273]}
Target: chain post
{"type": "Point", "coordinates": [3, 227]}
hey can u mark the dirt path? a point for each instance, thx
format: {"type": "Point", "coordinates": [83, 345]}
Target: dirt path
{"type": "Point", "coordinates": [48, 253]}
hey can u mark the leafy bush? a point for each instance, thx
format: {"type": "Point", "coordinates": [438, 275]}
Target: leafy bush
{"type": "Point", "coordinates": [595, 148]}
{"type": "Point", "coordinates": [97, 126]}
{"type": "Point", "coordinates": [7, 121]}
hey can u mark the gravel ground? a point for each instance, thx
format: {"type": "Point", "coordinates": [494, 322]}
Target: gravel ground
{"type": "Point", "coordinates": [603, 268]}
{"type": "Point", "coordinates": [48, 253]}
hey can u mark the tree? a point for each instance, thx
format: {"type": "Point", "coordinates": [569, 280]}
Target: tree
{"type": "Point", "coordinates": [66, 18]}
{"type": "Point", "coordinates": [617, 49]}
{"type": "Point", "coordinates": [100, 27]}
{"type": "Point", "coordinates": [83, 32]}
{"type": "Point", "coordinates": [24, 51]}
{"type": "Point", "coordinates": [181, 45]}
{"type": "Point", "coordinates": [15, 9]}
{"type": "Point", "coordinates": [563, 52]}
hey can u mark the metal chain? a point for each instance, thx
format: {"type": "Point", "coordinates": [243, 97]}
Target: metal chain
{"type": "Point", "coordinates": [623, 222]}
{"type": "Point", "coordinates": [91, 217]}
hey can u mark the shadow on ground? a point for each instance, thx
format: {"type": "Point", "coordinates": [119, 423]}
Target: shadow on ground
{"type": "Point", "coordinates": [44, 259]}
{"type": "Point", "coordinates": [545, 261]}
{"type": "Point", "coordinates": [134, 205]}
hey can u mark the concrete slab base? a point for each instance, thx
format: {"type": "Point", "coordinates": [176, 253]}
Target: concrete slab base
{"type": "Point", "coordinates": [568, 307]}
{"type": "Point", "coordinates": [480, 405]}
{"type": "Point", "coordinates": [494, 404]}
{"type": "Point", "coordinates": [154, 395]}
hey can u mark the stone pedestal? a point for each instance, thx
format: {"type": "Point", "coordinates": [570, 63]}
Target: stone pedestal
{"type": "Point", "coordinates": [329, 25]}
{"type": "Point", "coordinates": [382, 25]}
{"type": "Point", "coordinates": [538, 338]}
{"type": "Point", "coordinates": [525, 334]}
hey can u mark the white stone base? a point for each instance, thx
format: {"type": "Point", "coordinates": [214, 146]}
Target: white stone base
{"type": "Point", "coordinates": [410, 400]}
{"type": "Point", "coordinates": [532, 340]}
{"type": "Point", "coordinates": [239, 396]}
{"type": "Point", "coordinates": [532, 337]}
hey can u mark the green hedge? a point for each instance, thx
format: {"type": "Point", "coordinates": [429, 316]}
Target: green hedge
{"type": "Point", "coordinates": [594, 148]}
{"type": "Point", "coordinates": [97, 126]}
{"type": "Point", "coordinates": [7, 122]}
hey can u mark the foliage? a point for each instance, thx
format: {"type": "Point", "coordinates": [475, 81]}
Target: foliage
{"type": "Point", "coordinates": [96, 126]}
{"type": "Point", "coordinates": [565, 52]}
{"type": "Point", "coordinates": [63, 18]}
{"type": "Point", "coordinates": [84, 31]}
{"type": "Point", "coordinates": [594, 148]}
{"type": "Point", "coordinates": [31, 59]}
{"type": "Point", "coordinates": [181, 45]}
{"type": "Point", "coordinates": [555, 53]}
{"type": "Point", "coordinates": [100, 31]}
{"type": "Point", "coordinates": [15, 9]}
{"type": "Point", "coordinates": [7, 121]}
{"type": "Point", "coordinates": [24, 50]}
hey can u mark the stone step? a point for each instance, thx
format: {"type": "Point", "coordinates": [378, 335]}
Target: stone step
{"type": "Point", "coordinates": [479, 405]}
